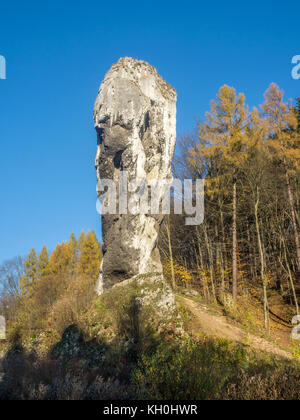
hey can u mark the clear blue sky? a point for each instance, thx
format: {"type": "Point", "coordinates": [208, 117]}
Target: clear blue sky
{"type": "Point", "coordinates": [57, 54]}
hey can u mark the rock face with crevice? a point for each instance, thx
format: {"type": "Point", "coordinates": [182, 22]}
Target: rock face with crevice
{"type": "Point", "coordinates": [135, 120]}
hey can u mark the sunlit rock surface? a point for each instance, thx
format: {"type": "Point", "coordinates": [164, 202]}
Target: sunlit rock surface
{"type": "Point", "coordinates": [135, 120]}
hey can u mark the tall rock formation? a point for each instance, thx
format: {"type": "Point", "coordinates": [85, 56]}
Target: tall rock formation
{"type": "Point", "coordinates": [135, 120]}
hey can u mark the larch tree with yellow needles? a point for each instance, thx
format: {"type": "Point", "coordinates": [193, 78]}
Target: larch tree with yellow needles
{"type": "Point", "coordinates": [284, 141]}
{"type": "Point", "coordinates": [90, 255]}
{"type": "Point", "coordinates": [222, 139]}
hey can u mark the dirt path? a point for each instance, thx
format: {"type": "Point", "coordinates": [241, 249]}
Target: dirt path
{"type": "Point", "coordinates": [218, 326]}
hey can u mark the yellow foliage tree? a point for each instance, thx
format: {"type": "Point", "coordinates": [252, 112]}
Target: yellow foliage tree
{"type": "Point", "coordinates": [222, 142]}
{"type": "Point", "coordinates": [90, 255]}
{"type": "Point", "coordinates": [31, 272]}
{"type": "Point", "coordinates": [284, 140]}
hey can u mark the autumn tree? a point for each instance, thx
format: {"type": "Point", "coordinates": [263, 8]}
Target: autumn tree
{"type": "Point", "coordinates": [255, 176]}
{"type": "Point", "coordinates": [90, 255]}
{"type": "Point", "coordinates": [43, 261]}
{"type": "Point", "coordinates": [280, 118]}
{"type": "Point", "coordinates": [260, 155]}
{"type": "Point", "coordinates": [220, 150]}
{"type": "Point", "coordinates": [297, 112]}
{"type": "Point", "coordinates": [74, 252]}
{"type": "Point", "coordinates": [31, 272]}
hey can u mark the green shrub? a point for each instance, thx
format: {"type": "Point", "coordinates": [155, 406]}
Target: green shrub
{"type": "Point", "coordinates": [191, 370]}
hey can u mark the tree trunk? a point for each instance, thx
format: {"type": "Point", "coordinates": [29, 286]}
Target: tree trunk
{"type": "Point", "coordinates": [205, 285]}
{"type": "Point", "coordinates": [234, 247]}
{"type": "Point", "coordinates": [222, 274]}
{"type": "Point", "coordinates": [262, 263]}
{"type": "Point", "coordinates": [290, 277]}
{"type": "Point", "coordinates": [171, 253]}
{"type": "Point", "coordinates": [211, 262]}
{"type": "Point", "coordinates": [296, 235]}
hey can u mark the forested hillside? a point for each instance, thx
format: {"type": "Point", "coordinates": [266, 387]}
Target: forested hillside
{"type": "Point", "coordinates": [242, 262]}
{"type": "Point", "coordinates": [48, 290]}
{"type": "Point", "coordinates": [249, 240]}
